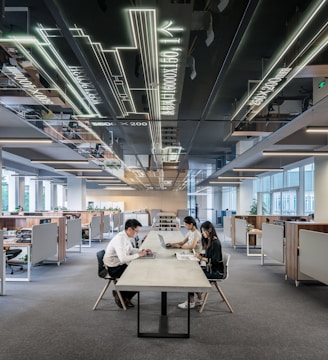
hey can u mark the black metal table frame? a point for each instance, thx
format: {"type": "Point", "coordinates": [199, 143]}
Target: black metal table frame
{"type": "Point", "coordinates": [163, 331]}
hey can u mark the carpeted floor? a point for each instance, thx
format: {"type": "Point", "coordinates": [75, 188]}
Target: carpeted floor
{"type": "Point", "coordinates": [51, 317]}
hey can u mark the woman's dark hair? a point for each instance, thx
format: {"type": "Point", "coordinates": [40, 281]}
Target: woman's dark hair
{"type": "Point", "coordinates": [209, 227]}
{"type": "Point", "coordinates": [190, 220]}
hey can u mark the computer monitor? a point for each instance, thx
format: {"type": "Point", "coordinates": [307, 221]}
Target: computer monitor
{"type": "Point", "coordinates": [45, 221]}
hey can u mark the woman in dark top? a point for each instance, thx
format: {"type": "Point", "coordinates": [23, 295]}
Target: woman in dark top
{"type": "Point", "coordinates": [211, 259]}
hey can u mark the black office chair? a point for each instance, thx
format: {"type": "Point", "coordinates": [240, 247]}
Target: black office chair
{"type": "Point", "coordinates": [103, 273]}
{"type": "Point", "coordinates": [11, 255]}
{"type": "Point", "coordinates": [226, 260]}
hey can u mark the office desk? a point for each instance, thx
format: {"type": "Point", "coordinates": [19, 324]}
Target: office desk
{"type": "Point", "coordinates": [163, 274]}
{"type": "Point", "coordinates": [258, 235]}
{"type": "Point", "coordinates": [12, 243]}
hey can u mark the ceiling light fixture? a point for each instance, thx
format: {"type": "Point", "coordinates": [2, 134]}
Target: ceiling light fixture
{"type": "Point", "coordinates": [225, 182]}
{"type": "Point", "coordinates": [259, 169]}
{"type": "Point", "coordinates": [295, 153]}
{"type": "Point", "coordinates": [238, 177]}
{"type": "Point", "coordinates": [94, 177]}
{"type": "Point", "coordinates": [78, 170]}
{"type": "Point", "coordinates": [104, 180]}
{"type": "Point", "coordinates": [295, 37]}
{"type": "Point", "coordinates": [25, 141]}
{"type": "Point", "coordinates": [317, 129]}
{"type": "Point", "coordinates": [60, 162]}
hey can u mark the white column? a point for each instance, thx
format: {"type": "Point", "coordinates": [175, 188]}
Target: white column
{"type": "Point", "coordinates": [76, 193]}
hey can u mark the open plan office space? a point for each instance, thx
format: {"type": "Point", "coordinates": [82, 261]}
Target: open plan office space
{"type": "Point", "coordinates": [158, 110]}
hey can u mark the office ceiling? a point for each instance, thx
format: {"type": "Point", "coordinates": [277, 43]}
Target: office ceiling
{"type": "Point", "coordinates": [153, 91]}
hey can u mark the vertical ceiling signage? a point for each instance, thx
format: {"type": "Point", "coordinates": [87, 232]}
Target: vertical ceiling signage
{"type": "Point", "coordinates": [268, 87]}
{"type": "Point", "coordinates": [170, 58]}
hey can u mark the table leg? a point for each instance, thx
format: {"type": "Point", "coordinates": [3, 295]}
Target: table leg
{"type": "Point", "coordinates": [163, 331]}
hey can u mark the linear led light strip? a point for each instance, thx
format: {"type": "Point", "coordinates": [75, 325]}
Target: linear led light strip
{"type": "Point", "coordinates": [294, 38]}
{"type": "Point", "coordinates": [144, 29]}
{"type": "Point", "coordinates": [99, 53]}
{"type": "Point", "coordinates": [295, 153]}
{"type": "Point", "coordinates": [19, 43]}
{"type": "Point", "coordinates": [298, 69]}
{"type": "Point", "coordinates": [237, 177]}
{"type": "Point", "coordinates": [42, 32]}
{"type": "Point", "coordinates": [259, 169]}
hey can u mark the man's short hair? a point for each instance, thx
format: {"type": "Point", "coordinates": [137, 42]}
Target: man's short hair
{"type": "Point", "coordinates": [132, 223]}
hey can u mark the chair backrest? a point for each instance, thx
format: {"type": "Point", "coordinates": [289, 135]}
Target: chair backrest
{"type": "Point", "coordinates": [226, 260]}
{"type": "Point", "coordinates": [102, 271]}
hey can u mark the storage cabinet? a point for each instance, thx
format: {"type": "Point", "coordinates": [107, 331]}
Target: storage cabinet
{"type": "Point", "coordinates": [166, 222]}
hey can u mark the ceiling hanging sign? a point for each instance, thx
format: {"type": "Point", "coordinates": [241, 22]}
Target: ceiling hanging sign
{"type": "Point", "coordinates": [172, 59]}
{"type": "Point", "coordinates": [91, 93]}
{"type": "Point", "coordinates": [268, 87]}
{"type": "Point", "coordinates": [17, 77]}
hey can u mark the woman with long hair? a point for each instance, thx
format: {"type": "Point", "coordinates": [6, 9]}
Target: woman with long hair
{"type": "Point", "coordinates": [193, 237]}
{"type": "Point", "coordinates": [210, 260]}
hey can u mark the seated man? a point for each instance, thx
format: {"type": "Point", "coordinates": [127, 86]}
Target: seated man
{"type": "Point", "coordinates": [119, 253]}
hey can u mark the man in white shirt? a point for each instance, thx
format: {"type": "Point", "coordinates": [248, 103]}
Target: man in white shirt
{"type": "Point", "coordinates": [120, 252]}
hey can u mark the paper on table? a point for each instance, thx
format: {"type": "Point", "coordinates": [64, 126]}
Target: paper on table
{"type": "Point", "coordinates": [184, 256]}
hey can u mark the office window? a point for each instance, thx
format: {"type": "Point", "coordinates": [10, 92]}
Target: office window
{"type": "Point", "coordinates": [265, 183]}
{"type": "Point", "coordinates": [293, 177]}
{"type": "Point", "coordinates": [4, 194]}
{"type": "Point", "coordinates": [277, 181]}
{"type": "Point", "coordinates": [276, 203]}
{"type": "Point", "coordinates": [266, 203]}
{"type": "Point", "coordinates": [26, 198]}
{"type": "Point", "coordinates": [309, 189]}
{"type": "Point", "coordinates": [289, 202]}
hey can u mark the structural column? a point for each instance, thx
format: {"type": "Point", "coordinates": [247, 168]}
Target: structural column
{"type": "Point", "coordinates": [320, 189]}
{"type": "Point", "coordinates": [76, 193]}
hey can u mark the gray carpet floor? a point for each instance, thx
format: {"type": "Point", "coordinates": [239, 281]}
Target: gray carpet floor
{"type": "Point", "coordinates": [51, 317]}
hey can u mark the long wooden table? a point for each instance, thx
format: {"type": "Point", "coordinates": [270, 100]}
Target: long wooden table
{"type": "Point", "coordinates": [163, 274]}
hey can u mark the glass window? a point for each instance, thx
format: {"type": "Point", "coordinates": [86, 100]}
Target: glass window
{"type": "Point", "coordinates": [293, 177]}
{"type": "Point", "coordinates": [276, 203]}
{"type": "Point", "coordinates": [277, 181]}
{"type": "Point", "coordinates": [289, 202]}
{"type": "Point", "coordinates": [266, 183]}
{"type": "Point", "coordinates": [308, 189]}
{"type": "Point", "coordinates": [4, 195]}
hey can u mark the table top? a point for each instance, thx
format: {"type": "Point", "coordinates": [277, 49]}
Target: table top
{"type": "Point", "coordinates": [164, 273]}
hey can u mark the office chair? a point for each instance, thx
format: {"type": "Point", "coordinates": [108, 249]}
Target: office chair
{"type": "Point", "coordinates": [226, 259]}
{"type": "Point", "coordinates": [11, 254]}
{"type": "Point", "coordinates": [103, 273]}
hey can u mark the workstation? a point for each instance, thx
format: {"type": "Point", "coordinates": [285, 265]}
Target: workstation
{"type": "Point", "coordinates": [156, 111]}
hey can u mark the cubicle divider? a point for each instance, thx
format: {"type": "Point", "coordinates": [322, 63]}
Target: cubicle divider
{"type": "Point", "coordinates": [73, 233]}
{"type": "Point", "coordinates": [313, 250]}
{"type": "Point", "coordinates": [273, 243]}
{"type": "Point", "coordinates": [240, 232]}
{"type": "Point", "coordinates": [106, 226]}
{"type": "Point", "coordinates": [44, 242]}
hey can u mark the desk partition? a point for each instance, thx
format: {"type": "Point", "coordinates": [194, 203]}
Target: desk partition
{"type": "Point", "coordinates": [313, 252]}
{"type": "Point", "coordinates": [74, 233]}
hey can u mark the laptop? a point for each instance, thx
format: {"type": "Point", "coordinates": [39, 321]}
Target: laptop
{"type": "Point", "coordinates": [162, 241]}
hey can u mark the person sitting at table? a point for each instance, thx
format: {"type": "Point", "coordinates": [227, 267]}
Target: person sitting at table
{"type": "Point", "coordinates": [210, 258]}
{"type": "Point", "coordinates": [193, 237]}
{"type": "Point", "coordinates": [119, 253]}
